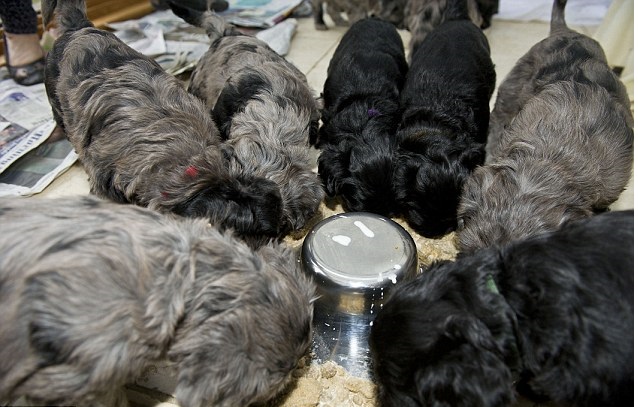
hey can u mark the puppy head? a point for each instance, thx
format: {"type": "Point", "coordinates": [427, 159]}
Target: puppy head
{"type": "Point", "coordinates": [244, 329]}
{"type": "Point", "coordinates": [361, 174]}
{"type": "Point", "coordinates": [252, 207]}
{"type": "Point", "coordinates": [428, 177]}
{"type": "Point", "coordinates": [302, 195]}
{"type": "Point", "coordinates": [356, 162]}
{"type": "Point", "coordinates": [445, 339]}
{"type": "Point", "coordinates": [512, 200]}
{"type": "Point", "coordinates": [391, 11]}
{"type": "Point", "coordinates": [286, 164]}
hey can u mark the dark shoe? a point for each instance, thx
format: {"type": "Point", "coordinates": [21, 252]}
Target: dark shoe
{"type": "Point", "coordinates": [199, 5]}
{"type": "Point", "coordinates": [27, 74]}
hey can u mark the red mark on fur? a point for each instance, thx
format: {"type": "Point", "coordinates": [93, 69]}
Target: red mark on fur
{"type": "Point", "coordinates": [191, 171]}
{"type": "Point", "coordinates": [164, 194]}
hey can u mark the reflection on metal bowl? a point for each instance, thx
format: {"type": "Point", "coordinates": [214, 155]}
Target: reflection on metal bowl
{"type": "Point", "coordinates": [356, 259]}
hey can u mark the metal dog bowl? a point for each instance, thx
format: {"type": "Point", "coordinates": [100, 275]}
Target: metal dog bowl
{"type": "Point", "coordinates": [356, 259]}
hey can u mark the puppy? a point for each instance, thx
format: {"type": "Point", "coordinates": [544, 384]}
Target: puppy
{"type": "Point", "coordinates": [560, 145]}
{"type": "Point", "coordinates": [140, 136]}
{"type": "Point", "coordinates": [360, 115]}
{"type": "Point", "coordinates": [421, 17]}
{"type": "Point", "coordinates": [355, 10]}
{"type": "Point", "coordinates": [392, 11]}
{"type": "Point", "coordinates": [265, 110]}
{"type": "Point", "coordinates": [550, 317]}
{"type": "Point", "coordinates": [92, 292]}
{"type": "Point", "coordinates": [443, 129]}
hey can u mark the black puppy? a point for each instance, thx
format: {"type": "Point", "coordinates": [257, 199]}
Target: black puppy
{"type": "Point", "coordinates": [442, 134]}
{"type": "Point", "coordinates": [550, 317]}
{"type": "Point", "coordinates": [361, 112]}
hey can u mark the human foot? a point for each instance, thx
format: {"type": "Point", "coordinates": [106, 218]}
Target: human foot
{"type": "Point", "coordinates": [24, 57]}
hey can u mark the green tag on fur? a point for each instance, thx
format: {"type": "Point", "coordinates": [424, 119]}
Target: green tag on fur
{"type": "Point", "coordinates": [491, 284]}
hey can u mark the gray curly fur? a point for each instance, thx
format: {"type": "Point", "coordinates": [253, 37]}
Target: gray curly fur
{"type": "Point", "coordinates": [92, 292]}
{"type": "Point", "coordinates": [140, 136]}
{"type": "Point", "coordinates": [560, 145]}
{"type": "Point", "coordinates": [265, 110]}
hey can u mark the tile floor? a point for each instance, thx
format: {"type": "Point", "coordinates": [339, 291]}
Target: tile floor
{"type": "Point", "coordinates": [311, 51]}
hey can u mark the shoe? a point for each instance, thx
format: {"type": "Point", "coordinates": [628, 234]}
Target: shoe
{"type": "Point", "coordinates": [27, 74]}
{"type": "Point", "coordinates": [199, 5]}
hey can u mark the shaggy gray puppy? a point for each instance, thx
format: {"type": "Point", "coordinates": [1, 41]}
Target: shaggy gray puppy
{"type": "Point", "coordinates": [92, 291]}
{"type": "Point", "coordinates": [140, 136]}
{"type": "Point", "coordinates": [265, 110]}
{"type": "Point", "coordinates": [560, 143]}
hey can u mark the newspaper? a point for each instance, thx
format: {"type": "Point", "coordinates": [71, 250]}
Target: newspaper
{"type": "Point", "coordinates": [29, 161]}
{"type": "Point", "coordinates": [24, 106]}
{"type": "Point", "coordinates": [177, 46]}
{"type": "Point", "coordinates": [40, 165]}
{"type": "Point", "coordinates": [259, 13]}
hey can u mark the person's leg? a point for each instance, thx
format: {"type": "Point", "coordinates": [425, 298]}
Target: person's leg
{"type": "Point", "coordinates": [23, 53]}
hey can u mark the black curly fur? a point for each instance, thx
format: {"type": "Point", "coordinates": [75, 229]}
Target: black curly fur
{"type": "Point", "coordinates": [360, 115]}
{"type": "Point", "coordinates": [443, 130]}
{"type": "Point", "coordinates": [550, 318]}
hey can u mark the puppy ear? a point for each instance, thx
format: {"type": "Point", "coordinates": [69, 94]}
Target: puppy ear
{"type": "Point", "coordinates": [464, 368]}
{"type": "Point", "coordinates": [333, 168]}
{"type": "Point", "coordinates": [246, 324]}
{"type": "Point", "coordinates": [210, 352]}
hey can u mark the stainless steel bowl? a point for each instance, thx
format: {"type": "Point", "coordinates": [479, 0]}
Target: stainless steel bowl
{"type": "Point", "coordinates": [356, 259]}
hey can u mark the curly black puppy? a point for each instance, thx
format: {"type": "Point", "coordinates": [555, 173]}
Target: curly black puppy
{"type": "Point", "coordinates": [443, 130]}
{"type": "Point", "coordinates": [550, 318]}
{"type": "Point", "coordinates": [140, 136]}
{"type": "Point", "coordinates": [360, 116]}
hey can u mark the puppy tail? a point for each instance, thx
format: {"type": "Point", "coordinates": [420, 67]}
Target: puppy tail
{"type": "Point", "coordinates": [71, 14]}
{"type": "Point", "coordinates": [214, 24]}
{"type": "Point", "coordinates": [558, 17]}
{"type": "Point", "coordinates": [456, 10]}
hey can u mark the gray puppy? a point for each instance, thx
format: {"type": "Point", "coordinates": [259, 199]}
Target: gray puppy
{"type": "Point", "coordinates": [140, 136]}
{"type": "Point", "coordinates": [420, 17]}
{"type": "Point", "coordinates": [560, 143]}
{"type": "Point", "coordinates": [355, 10]}
{"type": "Point", "coordinates": [91, 292]}
{"type": "Point", "coordinates": [264, 109]}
